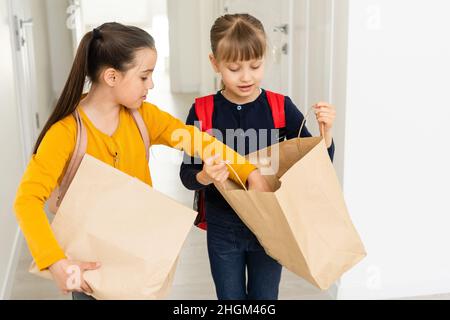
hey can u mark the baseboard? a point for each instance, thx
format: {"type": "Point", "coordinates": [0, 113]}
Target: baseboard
{"type": "Point", "coordinates": [7, 286]}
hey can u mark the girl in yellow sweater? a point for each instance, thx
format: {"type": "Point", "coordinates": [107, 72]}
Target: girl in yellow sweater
{"type": "Point", "coordinates": [118, 61]}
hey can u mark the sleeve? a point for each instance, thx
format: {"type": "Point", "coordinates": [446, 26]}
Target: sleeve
{"type": "Point", "coordinates": [39, 180]}
{"type": "Point", "coordinates": [167, 130]}
{"type": "Point", "coordinates": [294, 119]}
{"type": "Point", "coordinates": [191, 166]}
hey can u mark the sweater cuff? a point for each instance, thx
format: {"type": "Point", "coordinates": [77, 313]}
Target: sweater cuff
{"type": "Point", "coordinates": [45, 262]}
{"type": "Point", "coordinates": [243, 171]}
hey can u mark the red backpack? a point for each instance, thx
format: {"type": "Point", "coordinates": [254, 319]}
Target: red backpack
{"type": "Point", "coordinates": [204, 109]}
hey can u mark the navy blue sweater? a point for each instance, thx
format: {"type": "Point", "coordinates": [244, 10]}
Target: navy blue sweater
{"type": "Point", "coordinates": [254, 115]}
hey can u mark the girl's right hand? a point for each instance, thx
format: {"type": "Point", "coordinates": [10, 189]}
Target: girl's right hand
{"type": "Point", "coordinates": [213, 172]}
{"type": "Point", "coordinates": [68, 275]}
{"type": "Point", "coordinates": [257, 182]}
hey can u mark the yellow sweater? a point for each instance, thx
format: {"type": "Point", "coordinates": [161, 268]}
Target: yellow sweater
{"type": "Point", "coordinates": [124, 150]}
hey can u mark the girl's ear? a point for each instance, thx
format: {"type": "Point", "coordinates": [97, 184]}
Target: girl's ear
{"type": "Point", "coordinates": [214, 63]}
{"type": "Point", "coordinates": [110, 77]}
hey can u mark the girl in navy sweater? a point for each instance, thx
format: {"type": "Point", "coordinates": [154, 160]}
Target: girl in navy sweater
{"type": "Point", "coordinates": [238, 54]}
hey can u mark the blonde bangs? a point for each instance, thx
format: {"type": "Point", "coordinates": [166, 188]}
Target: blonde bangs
{"type": "Point", "coordinates": [241, 43]}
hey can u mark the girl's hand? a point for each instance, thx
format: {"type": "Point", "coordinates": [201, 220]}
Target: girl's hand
{"type": "Point", "coordinates": [325, 114]}
{"type": "Point", "coordinates": [213, 172]}
{"type": "Point", "coordinates": [68, 275]}
{"type": "Point", "coordinates": [257, 182]}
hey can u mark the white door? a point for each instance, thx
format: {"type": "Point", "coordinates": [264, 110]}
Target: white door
{"type": "Point", "coordinates": [22, 27]}
{"type": "Point", "coordinates": [276, 17]}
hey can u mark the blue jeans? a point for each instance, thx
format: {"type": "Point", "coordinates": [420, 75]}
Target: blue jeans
{"type": "Point", "coordinates": [81, 296]}
{"type": "Point", "coordinates": [232, 250]}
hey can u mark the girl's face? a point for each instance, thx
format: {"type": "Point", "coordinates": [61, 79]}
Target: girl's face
{"type": "Point", "coordinates": [242, 79]}
{"type": "Point", "coordinates": [132, 86]}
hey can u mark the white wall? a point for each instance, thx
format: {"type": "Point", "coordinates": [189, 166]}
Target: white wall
{"type": "Point", "coordinates": [60, 42]}
{"type": "Point", "coordinates": [189, 24]}
{"type": "Point", "coordinates": [44, 90]}
{"type": "Point", "coordinates": [319, 45]}
{"type": "Point", "coordinates": [185, 41]}
{"type": "Point", "coordinates": [209, 11]}
{"type": "Point", "coordinates": [396, 152]}
{"type": "Point", "coordinates": [133, 12]}
{"type": "Point", "coordinates": [338, 72]}
{"type": "Point", "coordinates": [11, 161]}
{"type": "Point", "coordinates": [148, 15]}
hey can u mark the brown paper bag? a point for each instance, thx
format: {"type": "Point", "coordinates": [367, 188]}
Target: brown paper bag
{"type": "Point", "coordinates": [304, 224]}
{"type": "Point", "coordinates": [134, 231]}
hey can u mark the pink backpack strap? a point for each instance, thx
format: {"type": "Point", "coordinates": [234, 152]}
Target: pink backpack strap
{"type": "Point", "coordinates": [142, 129]}
{"type": "Point", "coordinates": [204, 109]}
{"type": "Point", "coordinates": [276, 103]}
{"type": "Point", "coordinates": [75, 161]}
{"type": "Point", "coordinates": [80, 150]}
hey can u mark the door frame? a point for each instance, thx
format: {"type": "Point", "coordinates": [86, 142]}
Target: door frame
{"type": "Point", "coordinates": [25, 71]}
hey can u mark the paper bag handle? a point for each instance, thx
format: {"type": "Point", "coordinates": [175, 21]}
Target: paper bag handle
{"type": "Point", "coordinates": [322, 132]}
{"type": "Point", "coordinates": [235, 173]}
{"type": "Point", "coordinates": [322, 127]}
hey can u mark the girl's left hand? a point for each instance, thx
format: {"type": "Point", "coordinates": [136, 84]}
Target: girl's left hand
{"type": "Point", "coordinates": [325, 114]}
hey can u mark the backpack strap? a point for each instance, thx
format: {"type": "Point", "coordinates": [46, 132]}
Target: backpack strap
{"type": "Point", "coordinates": [276, 103]}
{"type": "Point", "coordinates": [142, 130]}
{"type": "Point", "coordinates": [204, 108]}
{"type": "Point", "coordinates": [75, 161]}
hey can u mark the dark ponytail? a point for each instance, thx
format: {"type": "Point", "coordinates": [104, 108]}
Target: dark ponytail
{"type": "Point", "coordinates": [110, 45]}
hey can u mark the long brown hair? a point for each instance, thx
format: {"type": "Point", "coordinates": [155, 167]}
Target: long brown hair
{"type": "Point", "coordinates": [238, 37]}
{"type": "Point", "coordinates": [111, 45]}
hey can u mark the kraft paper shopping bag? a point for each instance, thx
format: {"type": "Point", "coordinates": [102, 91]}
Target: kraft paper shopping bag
{"type": "Point", "coordinates": [134, 231]}
{"type": "Point", "coordinates": [304, 224]}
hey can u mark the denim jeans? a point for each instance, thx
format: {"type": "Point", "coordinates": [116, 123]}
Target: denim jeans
{"type": "Point", "coordinates": [81, 296]}
{"type": "Point", "coordinates": [233, 249]}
